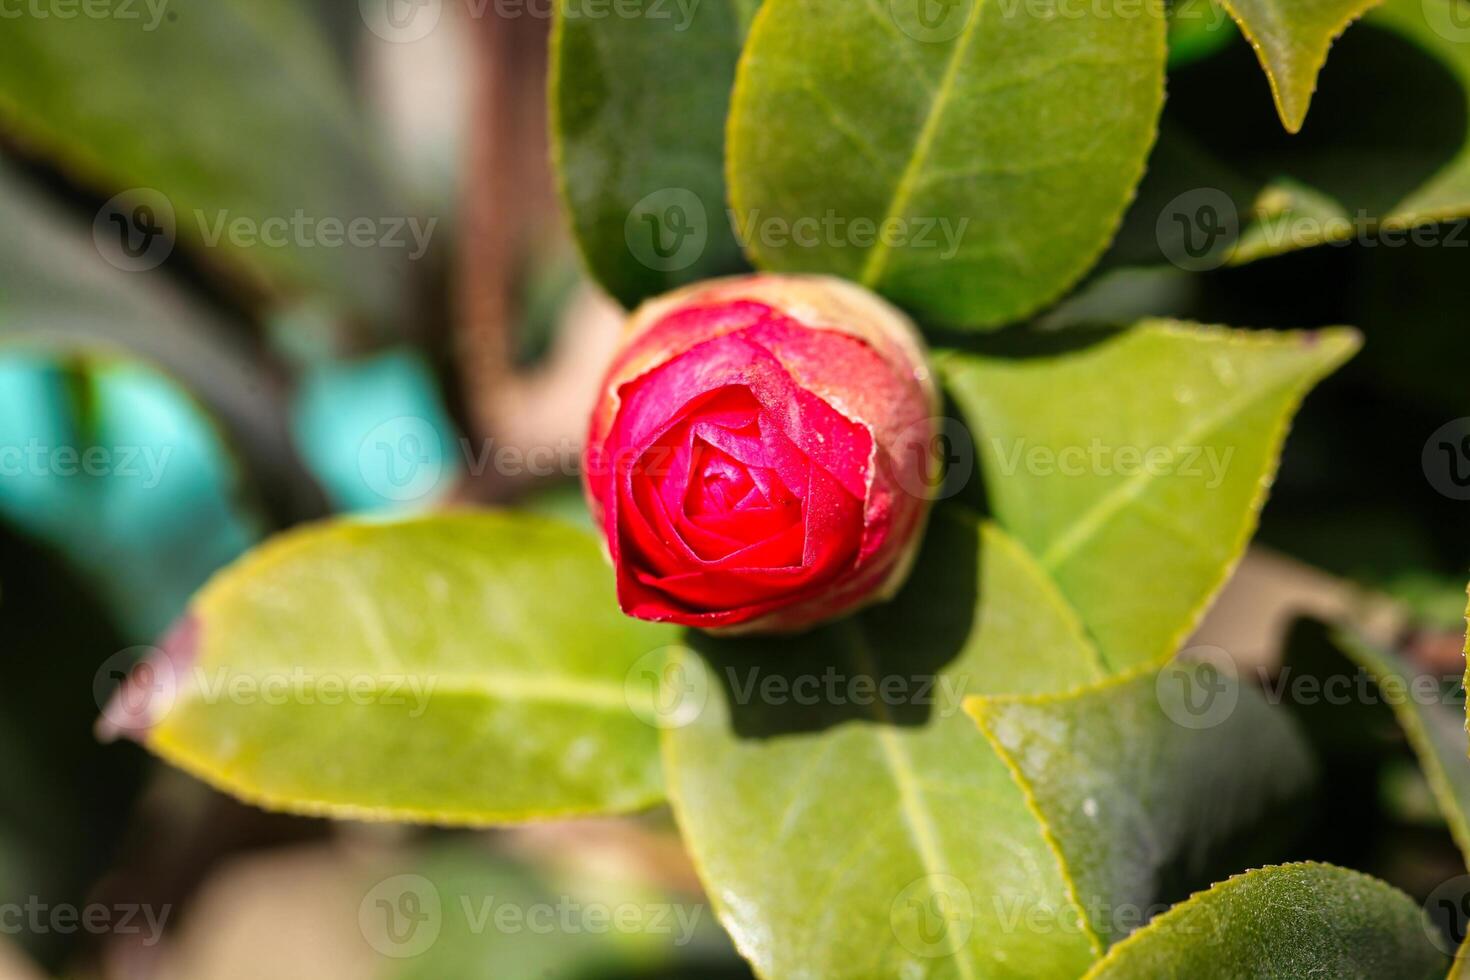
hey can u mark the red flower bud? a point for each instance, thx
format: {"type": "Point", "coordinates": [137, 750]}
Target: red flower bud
{"type": "Point", "coordinates": [757, 459]}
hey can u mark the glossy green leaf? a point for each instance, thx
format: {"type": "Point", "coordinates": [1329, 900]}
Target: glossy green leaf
{"type": "Point", "coordinates": [1293, 920]}
{"type": "Point", "coordinates": [859, 833]}
{"type": "Point", "coordinates": [620, 87]}
{"type": "Point", "coordinates": [231, 110]}
{"type": "Point", "coordinates": [970, 166]}
{"type": "Point", "coordinates": [1134, 775]}
{"type": "Point", "coordinates": [1291, 37]}
{"type": "Point", "coordinates": [490, 665]}
{"type": "Point", "coordinates": [1144, 457]}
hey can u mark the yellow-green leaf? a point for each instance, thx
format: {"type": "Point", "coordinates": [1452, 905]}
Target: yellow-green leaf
{"type": "Point", "coordinates": [1144, 457]}
{"type": "Point", "coordinates": [1291, 37]}
{"type": "Point", "coordinates": [465, 668]}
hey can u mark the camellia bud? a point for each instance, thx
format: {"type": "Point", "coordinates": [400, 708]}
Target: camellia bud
{"type": "Point", "coordinates": [758, 456]}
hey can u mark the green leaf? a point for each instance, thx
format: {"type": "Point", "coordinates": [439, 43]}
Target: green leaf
{"type": "Point", "coordinates": [1292, 920]}
{"type": "Point", "coordinates": [1291, 37]}
{"type": "Point", "coordinates": [491, 663]}
{"type": "Point", "coordinates": [647, 221]}
{"type": "Point", "coordinates": [767, 809]}
{"type": "Point", "coordinates": [229, 109]}
{"type": "Point", "coordinates": [878, 834]}
{"type": "Point", "coordinates": [1132, 776]}
{"type": "Point", "coordinates": [969, 169]}
{"type": "Point", "coordinates": [1144, 457]}
{"type": "Point", "coordinates": [1197, 29]}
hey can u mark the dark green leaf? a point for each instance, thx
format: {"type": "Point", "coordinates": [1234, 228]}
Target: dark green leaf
{"type": "Point", "coordinates": [969, 167]}
{"type": "Point", "coordinates": [1293, 920]}
{"type": "Point", "coordinates": [638, 108]}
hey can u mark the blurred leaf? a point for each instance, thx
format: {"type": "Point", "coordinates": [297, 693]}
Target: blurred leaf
{"type": "Point", "coordinates": [112, 464]}
{"type": "Point", "coordinates": [1291, 37]}
{"type": "Point", "coordinates": [222, 111]}
{"type": "Point", "coordinates": [938, 162]}
{"type": "Point", "coordinates": [1197, 29]}
{"type": "Point", "coordinates": [481, 669]}
{"type": "Point", "coordinates": [376, 433]}
{"type": "Point", "coordinates": [1134, 776]}
{"type": "Point", "coordinates": [1144, 457]}
{"type": "Point", "coordinates": [660, 77]}
{"type": "Point", "coordinates": [1292, 920]}
{"type": "Point", "coordinates": [500, 918]}
{"type": "Point", "coordinates": [56, 289]}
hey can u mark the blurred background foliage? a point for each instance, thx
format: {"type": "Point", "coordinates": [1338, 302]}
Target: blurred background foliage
{"type": "Point", "coordinates": [280, 384]}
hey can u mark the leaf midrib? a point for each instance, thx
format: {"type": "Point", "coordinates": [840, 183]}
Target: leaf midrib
{"type": "Point", "coordinates": [493, 685]}
{"type": "Point", "coordinates": [877, 259]}
{"type": "Point", "coordinates": [915, 813]}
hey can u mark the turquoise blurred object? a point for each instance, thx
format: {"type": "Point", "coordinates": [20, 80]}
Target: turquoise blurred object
{"type": "Point", "coordinates": [376, 433]}
{"type": "Point", "coordinates": [107, 461]}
